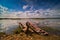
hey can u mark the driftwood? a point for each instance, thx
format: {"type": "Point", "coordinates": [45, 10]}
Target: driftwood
{"type": "Point", "coordinates": [24, 28]}
{"type": "Point", "coordinates": [36, 29]}
{"type": "Point", "coordinates": [33, 28]}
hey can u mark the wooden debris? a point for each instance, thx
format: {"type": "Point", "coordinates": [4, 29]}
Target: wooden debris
{"type": "Point", "coordinates": [32, 27]}
{"type": "Point", "coordinates": [24, 28]}
{"type": "Point", "coordinates": [35, 28]}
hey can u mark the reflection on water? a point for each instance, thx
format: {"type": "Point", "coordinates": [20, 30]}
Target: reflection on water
{"type": "Point", "coordinates": [9, 25]}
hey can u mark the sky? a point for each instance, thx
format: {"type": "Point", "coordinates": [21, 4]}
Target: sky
{"type": "Point", "coordinates": [29, 8]}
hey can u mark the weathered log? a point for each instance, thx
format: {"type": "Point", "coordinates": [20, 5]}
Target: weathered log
{"type": "Point", "coordinates": [42, 31]}
{"type": "Point", "coordinates": [46, 33]}
{"type": "Point", "coordinates": [35, 28]}
{"type": "Point", "coordinates": [23, 27]}
{"type": "Point", "coordinates": [32, 27]}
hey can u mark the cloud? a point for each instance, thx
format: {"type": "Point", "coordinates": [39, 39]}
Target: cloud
{"type": "Point", "coordinates": [25, 6]}
{"type": "Point", "coordinates": [45, 4]}
{"type": "Point", "coordinates": [41, 13]}
{"type": "Point", "coordinates": [3, 9]}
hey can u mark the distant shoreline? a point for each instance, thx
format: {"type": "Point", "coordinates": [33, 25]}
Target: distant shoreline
{"type": "Point", "coordinates": [25, 18]}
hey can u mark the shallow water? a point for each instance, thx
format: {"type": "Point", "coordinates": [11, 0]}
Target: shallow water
{"type": "Point", "coordinates": [9, 25]}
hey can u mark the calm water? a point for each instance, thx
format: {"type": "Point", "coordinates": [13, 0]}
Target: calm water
{"type": "Point", "coordinates": [9, 25]}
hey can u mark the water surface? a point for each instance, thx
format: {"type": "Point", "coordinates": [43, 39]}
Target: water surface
{"type": "Point", "coordinates": [9, 24]}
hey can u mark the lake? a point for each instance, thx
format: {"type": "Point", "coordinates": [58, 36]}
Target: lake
{"type": "Point", "coordinates": [10, 24]}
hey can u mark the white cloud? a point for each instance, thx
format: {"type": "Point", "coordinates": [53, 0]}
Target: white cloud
{"type": "Point", "coordinates": [25, 6]}
{"type": "Point", "coordinates": [3, 9]}
{"type": "Point", "coordinates": [41, 13]}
